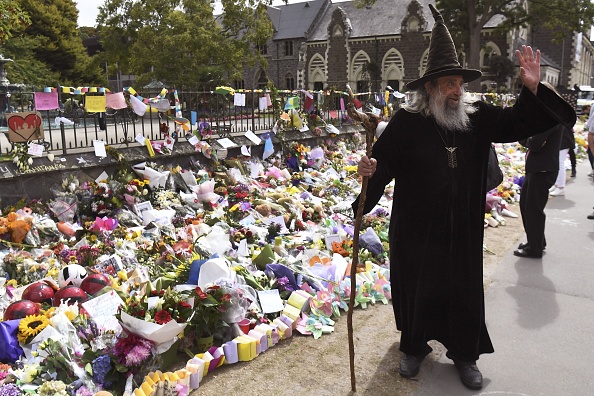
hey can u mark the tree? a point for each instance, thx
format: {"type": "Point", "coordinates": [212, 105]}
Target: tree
{"type": "Point", "coordinates": [501, 67]}
{"type": "Point", "coordinates": [466, 18]}
{"type": "Point", "coordinates": [52, 39]}
{"type": "Point", "coordinates": [181, 42]}
{"type": "Point", "coordinates": [12, 18]}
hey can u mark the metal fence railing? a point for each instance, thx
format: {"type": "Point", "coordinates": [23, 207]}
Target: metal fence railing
{"type": "Point", "coordinates": [80, 128]}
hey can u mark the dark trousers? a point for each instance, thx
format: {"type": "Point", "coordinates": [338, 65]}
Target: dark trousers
{"type": "Point", "coordinates": [533, 199]}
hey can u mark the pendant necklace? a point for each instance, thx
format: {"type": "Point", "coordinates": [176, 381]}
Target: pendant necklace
{"type": "Point", "coordinates": [451, 150]}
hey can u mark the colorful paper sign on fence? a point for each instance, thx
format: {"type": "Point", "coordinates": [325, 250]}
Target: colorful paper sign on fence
{"type": "Point", "coordinates": [95, 104]}
{"type": "Point", "coordinates": [46, 100]}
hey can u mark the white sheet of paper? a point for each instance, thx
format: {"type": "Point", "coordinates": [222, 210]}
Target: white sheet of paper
{"type": "Point", "coordinates": [99, 148]}
{"type": "Point", "coordinates": [304, 128]}
{"type": "Point", "coordinates": [242, 249]}
{"type": "Point", "coordinates": [226, 143]}
{"type": "Point", "coordinates": [104, 305]}
{"type": "Point", "coordinates": [247, 220]}
{"type": "Point", "coordinates": [193, 140]}
{"type": "Point", "coordinates": [140, 139]}
{"type": "Point", "coordinates": [103, 176]}
{"type": "Point", "coordinates": [262, 103]}
{"type": "Point", "coordinates": [247, 151]}
{"type": "Point", "coordinates": [280, 220]}
{"type": "Point", "coordinates": [35, 149]}
{"type": "Point", "coordinates": [239, 99]}
{"type": "Point", "coordinates": [270, 301]}
{"type": "Point", "coordinates": [253, 137]}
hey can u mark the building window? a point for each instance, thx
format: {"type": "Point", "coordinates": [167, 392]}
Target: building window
{"type": "Point", "coordinates": [318, 86]}
{"type": "Point", "coordinates": [262, 49]}
{"type": "Point", "coordinates": [288, 48]}
{"type": "Point", "coordinates": [362, 86]}
{"type": "Point", "coordinates": [394, 84]}
{"type": "Point", "coordinates": [289, 82]}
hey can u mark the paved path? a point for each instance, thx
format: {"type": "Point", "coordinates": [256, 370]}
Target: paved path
{"type": "Point", "coordinates": [540, 312]}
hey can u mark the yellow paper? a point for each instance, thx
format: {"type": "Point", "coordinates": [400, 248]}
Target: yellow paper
{"type": "Point", "coordinates": [146, 388]}
{"type": "Point", "coordinates": [298, 299]}
{"type": "Point", "coordinates": [292, 312]}
{"type": "Point", "coordinates": [156, 377]}
{"type": "Point", "coordinates": [149, 380]}
{"type": "Point", "coordinates": [246, 348]}
{"type": "Point", "coordinates": [139, 392]}
{"type": "Point", "coordinates": [132, 91]}
{"type": "Point", "coordinates": [95, 104]}
{"type": "Point", "coordinates": [173, 377]}
{"type": "Point", "coordinates": [93, 89]}
{"type": "Point", "coordinates": [149, 147]}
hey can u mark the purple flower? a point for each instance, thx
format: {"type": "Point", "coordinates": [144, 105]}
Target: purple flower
{"type": "Point", "coordinates": [101, 366]}
{"type": "Point", "coordinates": [381, 212]}
{"type": "Point", "coordinates": [10, 390]}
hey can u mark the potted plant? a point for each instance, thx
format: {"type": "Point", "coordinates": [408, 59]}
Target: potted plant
{"type": "Point", "coordinates": [207, 321]}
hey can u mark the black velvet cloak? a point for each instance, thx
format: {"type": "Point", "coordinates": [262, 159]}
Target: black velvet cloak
{"type": "Point", "coordinates": [437, 223]}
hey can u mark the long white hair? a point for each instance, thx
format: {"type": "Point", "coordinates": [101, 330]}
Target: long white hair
{"type": "Point", "coordinates": [435, 106]}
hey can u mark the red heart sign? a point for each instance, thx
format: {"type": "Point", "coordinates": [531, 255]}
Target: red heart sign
{"type": "Point", "coordinates": [24, 127]}
{"type": "Point", "coordinates": [31, 121]}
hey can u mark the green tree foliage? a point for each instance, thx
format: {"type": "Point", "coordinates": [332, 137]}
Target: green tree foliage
{"type": "Point", "coordinates": [12, 18]}
{"type": "Point", "coordinates": [181, 42]}
{"type": "Point", "coordinates": [53, 39]}
{"type": "Point", "coordinates": [466, 18]}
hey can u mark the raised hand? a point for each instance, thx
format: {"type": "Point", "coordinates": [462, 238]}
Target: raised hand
{"type": "Point", "coordinates": [529, 67]}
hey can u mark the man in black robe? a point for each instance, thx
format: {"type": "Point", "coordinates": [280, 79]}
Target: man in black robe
{"type": "Point", "coordinates": [436, 150]}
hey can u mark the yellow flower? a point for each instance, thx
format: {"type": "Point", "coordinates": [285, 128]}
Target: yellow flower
{"type": "Point", "coordinates": [30, 326]}
{"type": "Point", "coordinates": [123, 275]}
{"type": "Point", "coordinates": [12, 283]}
{"type": "Point", "coordinates": [50, 312]}
{"type": "Point", "coordinates": [53, 272]}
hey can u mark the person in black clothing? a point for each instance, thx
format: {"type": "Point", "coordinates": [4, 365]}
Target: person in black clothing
{"type": "Point", "coordinates": [542, 165]}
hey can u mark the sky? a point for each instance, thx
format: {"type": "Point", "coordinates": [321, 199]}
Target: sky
{"type": "Point", "coordinates": [87, 11]}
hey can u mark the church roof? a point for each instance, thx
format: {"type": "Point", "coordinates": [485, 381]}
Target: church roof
{"type": "Point", "coordinates": [295, 19]}
{"type": "Point", "coordinates": [382, 18]}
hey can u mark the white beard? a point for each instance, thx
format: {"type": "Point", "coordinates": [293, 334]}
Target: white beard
{"type": "Point", "coordinates": [451, 119]}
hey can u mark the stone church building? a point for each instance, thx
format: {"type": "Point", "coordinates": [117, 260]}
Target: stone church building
{"type": "Point", "coordinates": [322, 45]}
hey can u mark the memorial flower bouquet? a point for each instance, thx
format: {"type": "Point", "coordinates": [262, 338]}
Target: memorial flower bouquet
{"type": "Point", "coordinates": [209, 307]}
{"type": "Point", "coordinates": [159, 306]}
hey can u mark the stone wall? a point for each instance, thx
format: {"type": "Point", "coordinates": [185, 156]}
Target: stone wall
{"type": "Point", "coordinates": [38, 182]}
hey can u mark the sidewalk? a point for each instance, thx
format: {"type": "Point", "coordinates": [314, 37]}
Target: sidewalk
{"type": "Point", "coordinates": [539, 312]}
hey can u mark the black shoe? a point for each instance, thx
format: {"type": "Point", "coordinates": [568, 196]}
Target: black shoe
{"type": "Point", "coordinates": [410, 365]}
{"type": "Point", "coordinates": [527, 252]}
{"type": "Point", "coordinates": [525, 245]}
{"type": "Point", "coordinates": [470, 375]}
{"type": "Point", "coordinates": [572, 173]}
{"type": "Point", "coordinates": [591, 217]}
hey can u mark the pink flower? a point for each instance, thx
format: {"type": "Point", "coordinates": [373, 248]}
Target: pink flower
{"type": "Point", "coordinates": [137, 355]}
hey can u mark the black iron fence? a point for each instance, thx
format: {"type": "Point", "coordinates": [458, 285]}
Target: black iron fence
{"type": "Point", "coordinates": [72, 129]}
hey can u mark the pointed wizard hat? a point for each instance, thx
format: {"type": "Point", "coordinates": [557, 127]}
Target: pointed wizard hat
{"type": "Point", "coordinates": [442, 59]}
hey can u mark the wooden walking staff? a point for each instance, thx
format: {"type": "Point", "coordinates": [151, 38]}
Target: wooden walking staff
{"type": "Point", "coordinates": [369, 122]}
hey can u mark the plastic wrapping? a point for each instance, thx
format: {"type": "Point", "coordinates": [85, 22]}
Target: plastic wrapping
{"type": "Point", "coordinates": [64, 207]}
{"type": "Point", "coordinates": [372, 242]}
